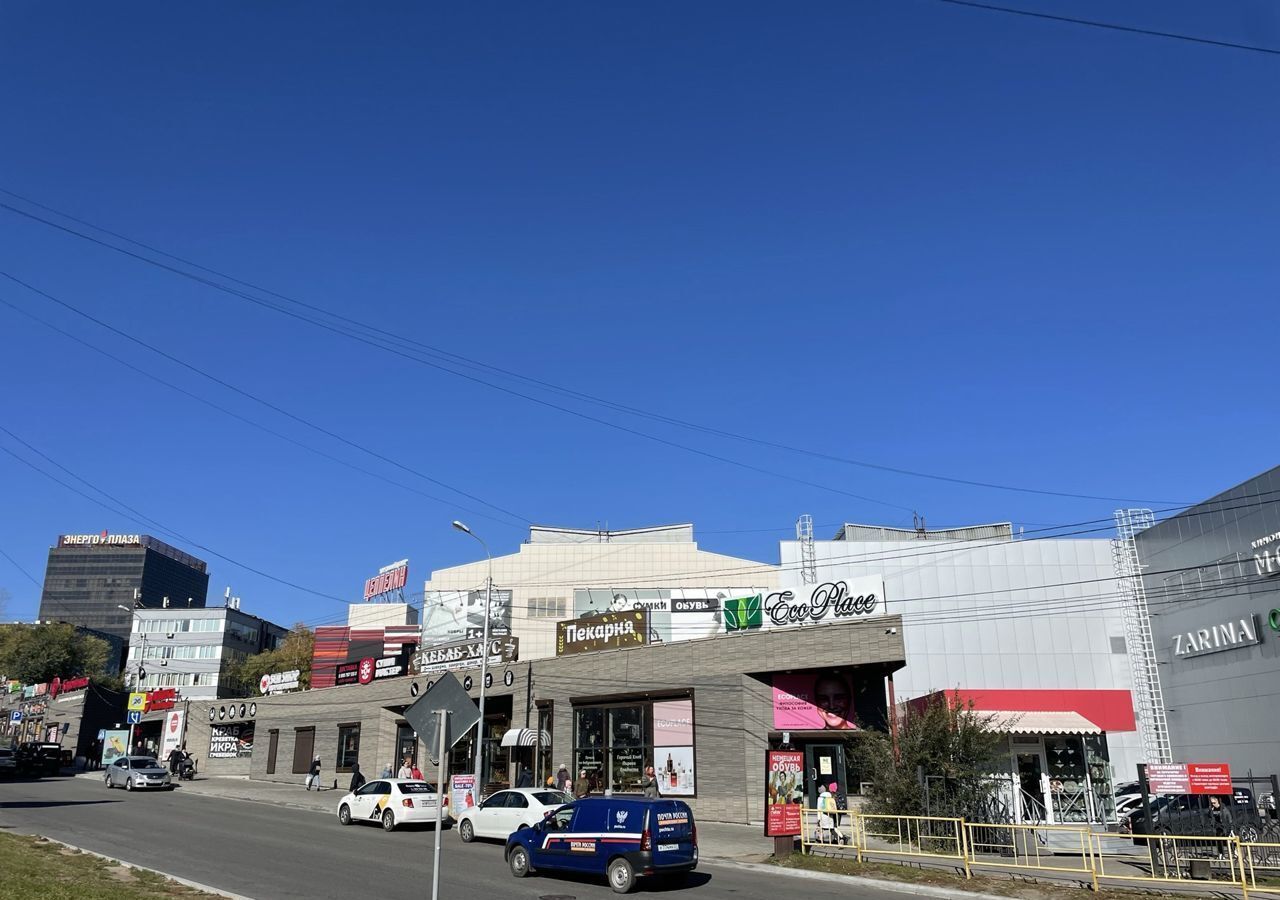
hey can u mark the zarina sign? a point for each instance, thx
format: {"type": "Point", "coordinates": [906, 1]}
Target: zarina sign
{"type": "Point", "coordinates": [389, 578]}
{"type": "Point", "coordinates": [463, 655]}
{"type": "Point", "coordinates": [607, 631]}
{"type": "Point", "coordinates": [1216, 638]}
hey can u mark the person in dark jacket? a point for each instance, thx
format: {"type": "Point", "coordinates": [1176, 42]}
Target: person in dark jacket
{"type": "Point", "coordinates": [313, 774]}
{"type": "Point", "coordinates": [650, 784]}
{"type": "Point", "coordinates": [525, 778]}
{"type": "Point", "coordinates": [357, 777]}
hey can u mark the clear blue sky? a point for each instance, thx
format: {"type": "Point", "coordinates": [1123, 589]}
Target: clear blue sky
{"type": "Point", "coordinates": [985, 246]}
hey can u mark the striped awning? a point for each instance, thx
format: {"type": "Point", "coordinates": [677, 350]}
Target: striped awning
{"type": "Point", "coordinates": [1016, 722]}
{"type": "Point", "coordinates": [524, 737]}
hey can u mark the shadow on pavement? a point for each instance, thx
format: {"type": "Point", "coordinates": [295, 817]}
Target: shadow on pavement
{"type": "Point", "coordinates": [42, 804]}
{"type": "Point", "coordinates": [650, 885]}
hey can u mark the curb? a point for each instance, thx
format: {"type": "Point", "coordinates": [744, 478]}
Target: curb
{"type": "Point", "coordinates": [208, 889]}
{"type": "Point", "coordinates": [896, 887]}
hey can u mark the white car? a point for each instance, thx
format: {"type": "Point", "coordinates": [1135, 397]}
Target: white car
{"type": "Point", "coordinates": [508, 811]}
{"type": "Point", "coordinates": [133, 772]}
{"type": "Point", "coordinates": [392, 802]}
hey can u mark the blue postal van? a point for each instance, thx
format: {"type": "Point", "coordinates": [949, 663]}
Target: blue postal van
{"type": "Point", "coordinates": [622, 838]}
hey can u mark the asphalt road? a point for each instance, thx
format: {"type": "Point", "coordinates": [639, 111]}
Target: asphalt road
{"type": "Point", "coordinates": [273, 853]}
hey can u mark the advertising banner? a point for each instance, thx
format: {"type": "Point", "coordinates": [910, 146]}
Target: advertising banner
{"type": "Point", "coordinates": [171, 734]}
{"type": "Point", "coordinates": [784, 792]}
{"type": "Point", "coordinates": [280, 682]}
{"type": "Point", "coordinates": [829, 700]}
{"type": "Point", "coordinates": [449, 616]}
{"type": "Point", "coordinates": [1189, 778]}
{"type": "Point", "coordinates": [462, 794]}
{"type": "Point", "coordinates": [231, 741]}
{"type": "Point", "coordinates": [607, 631]}
{"type": "Point", "coordinates": [463, 655]}
{"type": "Point", "coordinates": [675, 614]}
{"type": "Point", "coordinates": [114, 744]}
{"type": "Point", "coordinates": [673, 748]}
{"type": "Point", "coordinates": [161, 699]}
{"type": "Point", "coordinates": [389, 578]}
{"type": "Point", "coordinates": [368, 670]}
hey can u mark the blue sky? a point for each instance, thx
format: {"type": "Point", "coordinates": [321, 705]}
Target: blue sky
{"type": "Point", "coordinates": [933, 238]}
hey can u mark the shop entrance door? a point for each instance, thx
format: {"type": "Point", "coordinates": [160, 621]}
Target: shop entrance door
{"type": "Point", "coordinates": [824, 765]}
{"type": "Point", "coordinates": [1031, 785]}
{"type": "Point", "coordinates": [406, 745]}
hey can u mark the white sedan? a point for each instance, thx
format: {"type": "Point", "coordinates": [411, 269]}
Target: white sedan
{"type": "Point", "coordinates": [508, 811]}
{"type": "Point", "coordinates": [392, 802]}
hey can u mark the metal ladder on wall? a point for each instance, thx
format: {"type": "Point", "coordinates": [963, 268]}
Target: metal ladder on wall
{"type": "Point", "coordinates": [1137, 627]}
{"type": "Point", "coordinates": [808, 556]}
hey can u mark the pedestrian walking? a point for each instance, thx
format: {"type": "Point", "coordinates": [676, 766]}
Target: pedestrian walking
{"type": "Point", "coordinates": [313, 774]}
{"type": "Point", "coordinates": [582, 786]}
{"type": "Point", "coordinates": [650, 784]}
{"type": "Point", "coordinates": [175, 759]}
{"type": "Point", "coordinates": [525, 778]}
{"type": "Point", "coordinates": [415, 773]}
{"type": "Point", "coordinates": [357, 778]}
{"type": "Point", "coordinates": [564, 781]}
{"type": "Point", "coordinates": [406, 768]}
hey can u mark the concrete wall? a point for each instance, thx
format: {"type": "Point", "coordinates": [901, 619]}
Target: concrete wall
{"type": "Point", "coordinates": [725, 675]}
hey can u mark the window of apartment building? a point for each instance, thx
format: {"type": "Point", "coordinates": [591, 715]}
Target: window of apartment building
{"type": "Point", "coordinates": [175, 626]}
{"type": "Point", "coordinates": [348, 746]}
{"type": "Point", "coordinates": [548, 607]}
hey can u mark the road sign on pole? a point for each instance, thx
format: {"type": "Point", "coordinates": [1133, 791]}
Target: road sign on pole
{"type": "Point", "coordinates": [15, 716]}
{"type": "Point", "coordinates": [135, 718]}
{"type": "Point", "coordinates": [424, 715]}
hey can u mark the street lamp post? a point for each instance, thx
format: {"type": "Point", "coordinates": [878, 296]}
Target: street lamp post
{"type": "Point", "coordinates": [484, 652]}
{"type": "Point", "coordinates": [139, 674]}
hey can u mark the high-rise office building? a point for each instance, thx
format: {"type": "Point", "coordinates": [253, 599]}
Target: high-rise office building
{"type": "Point", "coordinates": [90, 576]}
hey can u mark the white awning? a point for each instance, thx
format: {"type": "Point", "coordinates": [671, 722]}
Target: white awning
{"type": "Point", "coordinates": [525, 737]}
{"type": "Point", "coordinates": [1016, 722]}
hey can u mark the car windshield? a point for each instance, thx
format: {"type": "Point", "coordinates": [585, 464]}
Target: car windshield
{"type": "Point", "coordinates": [417, 787]}
{"type": "Point", "coordinates": [552, 798]}
{"type": "Point", "coordinates": [145, 762]}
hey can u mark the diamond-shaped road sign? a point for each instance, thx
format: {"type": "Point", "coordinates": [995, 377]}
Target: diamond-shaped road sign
{"type": "Point", "coordinates": [446, 694]}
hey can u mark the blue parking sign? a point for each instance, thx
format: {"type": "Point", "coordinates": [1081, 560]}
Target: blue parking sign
{"type": "Point", "coordinates": [15, 716]}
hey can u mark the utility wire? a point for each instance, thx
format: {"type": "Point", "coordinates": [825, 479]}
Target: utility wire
{"type": "Point", "coordinates": [1110, 26]}
{"type": "Point", "coordinates": [458, 359]}
{"type": "Point", "coordinates": [15, 564]}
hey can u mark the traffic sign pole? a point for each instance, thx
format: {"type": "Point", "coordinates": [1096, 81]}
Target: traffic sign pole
{"type": "Point", "coordinates": [440, 798]}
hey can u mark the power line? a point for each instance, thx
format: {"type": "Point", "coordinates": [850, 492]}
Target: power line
{"type": "Point", "coordinates": [376, 334]}
{"type": "Point", "coordinates": [254, 397]}
{"type": "Point", "coordinates": [1110, 26]}
{"type": "Point", "coordinates": [30, 577]}
{"type": "Point", "coordinates": [237, 416]}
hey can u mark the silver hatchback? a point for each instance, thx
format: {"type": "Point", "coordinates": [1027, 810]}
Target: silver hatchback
{"type": "Point", "coordinates": [134, 772]}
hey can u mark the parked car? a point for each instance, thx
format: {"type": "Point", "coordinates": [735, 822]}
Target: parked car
{"type": "Point", "coordinates": [623, 839]}
{"type": "Point", "coordinates": [393, 802]}
{"type": "Point", "coordinates": [38, 758]}
{"type": "Point", "coordinates": [8, 762]}
{"type": "Point", "coordinates": [137, 772]}
{"type": "Point", "coordinates": [1195, 815]}
{"type": "Point", "coordinates": [507, 811]}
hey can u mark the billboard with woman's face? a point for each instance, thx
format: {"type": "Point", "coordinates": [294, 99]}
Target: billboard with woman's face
{"type": "Point", "coordinates": [828, 700]}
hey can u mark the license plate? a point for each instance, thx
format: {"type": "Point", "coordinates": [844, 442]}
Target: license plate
{"type": "Point", "coordinates": [664, 847]}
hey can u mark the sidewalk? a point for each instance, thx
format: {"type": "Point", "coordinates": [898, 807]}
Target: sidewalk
{"type": "Point", "coordinates": [716, 840]}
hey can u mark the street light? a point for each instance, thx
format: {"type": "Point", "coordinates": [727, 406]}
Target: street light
{"type": "Point", "coordinates": [484, 650]}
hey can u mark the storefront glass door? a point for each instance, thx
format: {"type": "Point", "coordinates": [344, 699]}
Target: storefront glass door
{"type": "Point", "coordinates": [1031, 767]}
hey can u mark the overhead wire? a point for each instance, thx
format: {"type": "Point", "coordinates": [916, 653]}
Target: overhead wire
{"type": "Point", "coordinates": [399, 342]}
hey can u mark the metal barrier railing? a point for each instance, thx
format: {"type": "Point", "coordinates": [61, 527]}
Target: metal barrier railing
{"type": "Point", "coordinates": [1168, 858]}
{"type": "Point", "coordinates": [831, 830]}
{"type": "Point", "coordinates": [1260, 857]}
{"type": "Point", "coordinates": [932, 837]}
{"type": "Point", "coordinates": [1028, 847]}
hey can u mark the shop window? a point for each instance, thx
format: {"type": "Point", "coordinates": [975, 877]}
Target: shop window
{"type": "Point", "coordinates": [614, 744]}
{"type": "Point", "coordinates": [348, 747]}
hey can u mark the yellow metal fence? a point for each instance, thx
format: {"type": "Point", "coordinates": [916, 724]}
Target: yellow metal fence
{"type": "Point", "coordinates": [1096, 857]}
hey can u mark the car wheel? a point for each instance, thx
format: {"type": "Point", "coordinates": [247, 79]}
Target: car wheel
{"type": "Point", "coordinates": [106, 779]}
{"type": "Point", "coordinates": [128, 784]}
{"type": "Point", "coordinates": [622, 878]}
{"type": "Point", "coordinates": [344, 814]}
{"type": "Point", "coordinates": [518, 859]}
{"type": "Point", "coordinates": [388, 821]}
{"type": "Point", "coordinates": [467, 831]}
